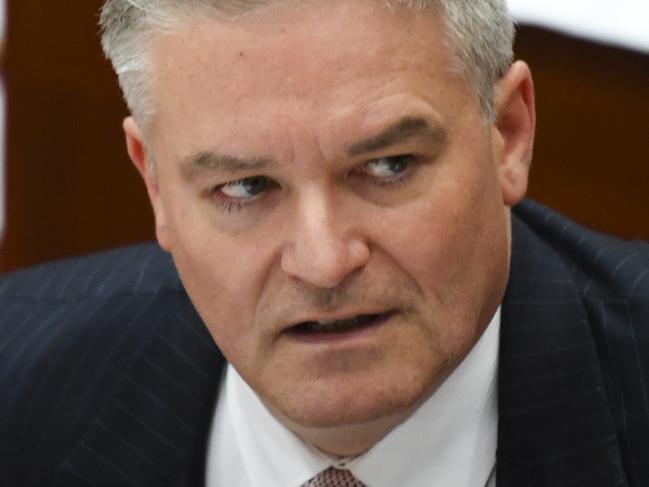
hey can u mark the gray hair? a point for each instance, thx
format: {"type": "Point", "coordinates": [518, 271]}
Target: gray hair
{"type": "Point", "coordinates": [480, 34]}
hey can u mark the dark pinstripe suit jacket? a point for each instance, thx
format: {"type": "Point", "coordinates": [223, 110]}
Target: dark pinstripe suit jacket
{"type": "Point", "coordinates": [108, 377]}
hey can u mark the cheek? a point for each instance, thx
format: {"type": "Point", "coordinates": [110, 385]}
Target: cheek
{"type": "Point", "coordinates": [202, 253]}
{"type": "Point", "coordinates": [223, 272]}
{"type": "Point", "coordinates": [222, 291]}
{"type": "Point", "coordinates": [221, 276]}
{"type": "Point", "coordinates": [452, 242]}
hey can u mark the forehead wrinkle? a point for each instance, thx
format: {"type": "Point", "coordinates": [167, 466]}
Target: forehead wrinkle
{"type": "Point", "coordinates": [212, 162]}
{"type": "Point", "coordinates": [404, 129]}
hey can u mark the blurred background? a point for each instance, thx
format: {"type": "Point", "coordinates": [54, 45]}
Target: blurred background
{"type": "Point", "coordinates": [67, 187]}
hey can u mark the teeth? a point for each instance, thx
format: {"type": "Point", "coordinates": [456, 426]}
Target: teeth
{"type": "Point", "coordinates": [326, 322]}
{"type": "Point", "coordinates": [337, 325]}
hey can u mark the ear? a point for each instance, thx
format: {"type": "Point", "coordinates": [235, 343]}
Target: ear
{"type": "Point", "coordinates": [515, 126]}
{"type": "Point", "coordinates": [138, 153]}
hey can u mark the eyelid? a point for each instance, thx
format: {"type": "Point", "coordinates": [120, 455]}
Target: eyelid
{"type": "Point", "coordinates": [231, 204]}
{"type": "Point", "coordinates": [393, 181]}
{"type": "Point", "coordinates": [217, 187]}
{"type": "Point", "coordinates": [408, 158]}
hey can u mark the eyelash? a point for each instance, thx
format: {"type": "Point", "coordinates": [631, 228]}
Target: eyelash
{"type": "Point", "coordinates": [396, 181]}
{"type": "Point", "coordinates": [234, 205]}
{"type": "Point", "coordinates": [231, 205]}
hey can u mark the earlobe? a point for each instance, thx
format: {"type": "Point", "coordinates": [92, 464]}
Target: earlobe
{"type": "Point", "coordinates": [515, 125]}
{"type": "Point", "coordinates": [137, 151]}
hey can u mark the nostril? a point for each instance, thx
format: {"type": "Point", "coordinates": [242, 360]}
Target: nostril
{"type": "Point", "coordinates": [359, 252]}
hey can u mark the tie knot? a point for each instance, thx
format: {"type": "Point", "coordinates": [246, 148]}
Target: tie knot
{"type": "Point", "coordinates": [334, 477]}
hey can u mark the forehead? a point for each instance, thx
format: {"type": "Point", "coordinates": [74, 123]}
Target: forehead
{"type": "Point", "coordinates": [308, 59]}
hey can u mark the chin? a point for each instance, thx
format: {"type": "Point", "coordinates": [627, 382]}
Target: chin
{"type": "Point", "coordinates": [353, 403]}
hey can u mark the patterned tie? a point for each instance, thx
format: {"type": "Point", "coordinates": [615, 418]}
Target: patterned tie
{"type": "Point", "coordinates": [334, 477]}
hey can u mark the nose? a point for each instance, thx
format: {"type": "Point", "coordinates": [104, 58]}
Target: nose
{"type": "Point", "coordinates": [325, 246]}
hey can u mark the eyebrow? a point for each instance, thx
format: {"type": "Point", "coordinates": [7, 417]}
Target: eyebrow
{"type": "Point", "coordinates": [400, 131]}
{"type": "Point", "coordinates": [205, 162]}
{"type": "Point", "coordinates": [209, 162]}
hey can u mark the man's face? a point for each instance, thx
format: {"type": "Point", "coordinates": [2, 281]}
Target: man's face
{"type": "Point", "coordinates": [333, 200]}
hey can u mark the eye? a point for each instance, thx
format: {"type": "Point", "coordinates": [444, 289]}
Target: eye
{"type": "Point", "coordinates": [247, 188]}
{"type": "Point", "coordinates": [388, 167]}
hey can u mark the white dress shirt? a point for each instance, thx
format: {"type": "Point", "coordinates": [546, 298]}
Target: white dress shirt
{"type": "Point", "coordinates": [450, 440]}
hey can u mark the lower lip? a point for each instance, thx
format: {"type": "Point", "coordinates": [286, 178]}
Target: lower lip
{"type": "Point", "coordinates": [352, 333]}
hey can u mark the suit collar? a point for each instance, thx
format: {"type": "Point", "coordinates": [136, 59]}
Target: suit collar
{"type": "Point", "coordinates": [155, 427]}
{"type": "Point", "coordinates": [555, 426]}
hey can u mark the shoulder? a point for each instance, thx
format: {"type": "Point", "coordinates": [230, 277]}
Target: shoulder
{"type": "Point", "coordinates": [78, 312]}
{"type": "Point", "coordinates": [603, 267]}
{"type": "Point", "coordinates": [609, 279]}
{"type": "Point", "coordinates": [70, 330]}
{"type": "Point", "coordinates": [137, 269]}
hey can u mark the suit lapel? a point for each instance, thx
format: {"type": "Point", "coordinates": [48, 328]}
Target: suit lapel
{"type": "Point", "coordinates": [555, 427]}
{"type": "Point", "coordinates": [155, 427]}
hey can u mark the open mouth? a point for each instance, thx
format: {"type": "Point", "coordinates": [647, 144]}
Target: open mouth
{"type": "Point", "coordinates": [338, 327]}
